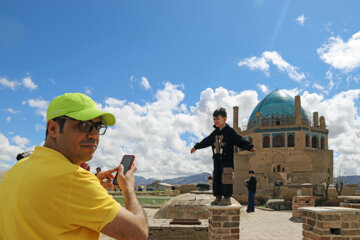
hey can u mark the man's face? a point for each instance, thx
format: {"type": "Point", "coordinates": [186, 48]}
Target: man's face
{"type": "Point", "coordinates": [219, 121]}
{"type": "Point", "coordinates": [76, 145]}
{"type": "Point", "coordinates": [98, 170]}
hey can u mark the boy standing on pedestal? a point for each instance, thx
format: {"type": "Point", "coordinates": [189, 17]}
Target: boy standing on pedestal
{"type": "Point", "coordinates": [222, 140]}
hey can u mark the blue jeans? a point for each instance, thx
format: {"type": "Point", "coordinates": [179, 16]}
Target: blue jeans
{"type": "Point", "coordinates": [251, 203]}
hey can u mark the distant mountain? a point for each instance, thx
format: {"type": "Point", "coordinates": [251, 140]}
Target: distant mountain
{"type": "Point", "coordinates": [193, 179]}
{"type": "Point", "coordinates": [139, 180]}
{"type": "Point", "coordinates": [355, 179]}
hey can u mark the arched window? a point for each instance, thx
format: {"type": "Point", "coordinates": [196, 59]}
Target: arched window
{"type": "Point", "coordinates": [307, 140]}
{"type": "Point", "coordinates": [266, 141]}
{"type": "Point", "coordinates": [291, 140]}
{"type": "Point", "coordinates": [278, 141]}
{"type": "Point", "coordinates": [322, 143]}
{"type": "Point", "coordinates": [314, 142]}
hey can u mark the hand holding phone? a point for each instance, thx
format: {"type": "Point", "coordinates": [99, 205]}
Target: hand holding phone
{"type": "Point", "coordinates": [127, 161]}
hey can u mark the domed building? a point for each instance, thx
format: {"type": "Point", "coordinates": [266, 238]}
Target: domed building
{"type": "Point", "coordinates": [292, 150]}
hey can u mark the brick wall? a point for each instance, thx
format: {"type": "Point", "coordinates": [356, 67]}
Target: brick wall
{"type": "Point", "coordinates": [224, 222]}
{"type": "Point", "coordinates": [299, 202]}
{"type": "Point", "coordinates": [331, 223]}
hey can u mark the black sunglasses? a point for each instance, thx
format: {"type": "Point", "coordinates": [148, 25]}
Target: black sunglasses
{"type": "Point", "coordinates": [87, 126]}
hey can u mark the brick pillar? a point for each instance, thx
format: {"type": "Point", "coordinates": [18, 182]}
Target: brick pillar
{"type": "Point", "coordinates": [299, 202]}
{"type": "Point", "coordinates": [224, 222]}
{"type": "Point", "coordinates": [330, 223]}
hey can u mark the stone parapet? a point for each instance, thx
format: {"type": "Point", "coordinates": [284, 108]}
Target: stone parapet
{"type": "Point", "coordinates": [350, 205]}
{"type": "Point", "coordinates": [160, 229]}
{"type": "Point", "coordinates": [331, 223]}
{"type": "Point", "coordinates": [224, 222]}
{"type": "Point", "coordinates": [299, 202]}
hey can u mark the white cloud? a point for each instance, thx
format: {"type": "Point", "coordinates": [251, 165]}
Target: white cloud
{"type": "Point", "coordinates": [327, 27]}
{"type": "Point", "coordinates": [161, 133]}
{"type": "Point", "coordinates": [88, 90]}
{"type": "Point", "coordinates": [8, 152]}
{"type": "Point", "coordinates": [301, 20]}
{"type": "Point", "coordinates": [292, 92]}
{"type": "Point", "coordinates": [329, 76]}
{"type": "Point", "coordinates": [10, 110]}
{"type": "Point", "coordinates": [28, 83]}
{"type": "Point", "coordinates": [20, 141]}
{"type": "Point", "coordinates": [40, 106]}
{"type": "Point", "coordinates": [255, 63]}
{"type": "Point", "coordinates": [39, 128]}
{"type": "Point", "coordinates": [343, 121]}
{"type": "Point", "coordinates": [10, 84]}
{"type": "Point", "coordinates": [341, 55]}
{"type": "Point", "coordinates": [8, 119]}
{"type": "Point", "coordinates": [261, 63]}
{"type": "Point", "coordinates": [263, 88]}
{"type": "Point", "coordinates": [13, 85]}
{"type": "Point", "coordinates": [145, 83]}
{"type": "Point", "coordinates": [318, 86]}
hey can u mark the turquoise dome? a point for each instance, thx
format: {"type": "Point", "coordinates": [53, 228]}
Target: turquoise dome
{"type": "Point", "coordinates": [276, 105]}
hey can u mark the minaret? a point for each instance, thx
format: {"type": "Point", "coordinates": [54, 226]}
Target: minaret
{"type": "Point", "coordinates": [316, 119]}
{"type": "Point", "coordinates": [297, 110]}
{"type": "Point", "coordinates": [322, 122]}
{"type": "Point", "coordinates": [236, 119]}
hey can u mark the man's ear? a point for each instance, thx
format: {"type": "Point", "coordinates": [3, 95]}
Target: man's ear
{"type": "Point", "coordinates": [53, 128]}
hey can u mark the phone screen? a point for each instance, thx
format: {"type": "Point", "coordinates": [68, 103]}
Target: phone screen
{"type": "Point", "coordinates": [126, 161]}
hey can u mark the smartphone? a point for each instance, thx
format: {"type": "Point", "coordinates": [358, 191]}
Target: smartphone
{"type": "Point", "coordinates": [127, 161]}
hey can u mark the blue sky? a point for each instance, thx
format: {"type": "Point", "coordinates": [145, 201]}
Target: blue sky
{"type": "Point", "coordinates": [181, 59]}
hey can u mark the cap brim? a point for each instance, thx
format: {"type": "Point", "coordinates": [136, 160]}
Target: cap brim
{"type": "Point", "coordinates": [108, 119]}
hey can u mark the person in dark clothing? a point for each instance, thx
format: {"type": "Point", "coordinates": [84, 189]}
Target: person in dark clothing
{"type": "Point", "coordinates": [251, 185]}
{"type": "Point", "coordinates": [222, 140]}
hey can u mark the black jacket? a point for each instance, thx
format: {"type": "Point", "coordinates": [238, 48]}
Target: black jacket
{"type": "Point", "coordinates": [251, 184]}
{"type": "Point", "coordinates": [222, 143]}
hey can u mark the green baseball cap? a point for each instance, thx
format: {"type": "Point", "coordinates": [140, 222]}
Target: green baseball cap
{"type": "Point", "coordinates": [77, 106]}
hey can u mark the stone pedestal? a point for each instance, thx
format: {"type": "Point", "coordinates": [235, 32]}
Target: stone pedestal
{"type": "Point", "coordinates": [299, 202]}
{"type": "Point", "coordinates": [330, 223]}
{"type": "Point", "coordinates": [224, 222]}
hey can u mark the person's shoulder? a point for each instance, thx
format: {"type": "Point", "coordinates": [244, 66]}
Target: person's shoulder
{"type": "Point", "coordinates": [84, 174]}
{"type": "Point", "coordinates": [229, 129]}
{"type": "Point", "coordinates": [80, 178]}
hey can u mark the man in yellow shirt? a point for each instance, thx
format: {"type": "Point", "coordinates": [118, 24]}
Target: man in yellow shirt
{"type": "Point", "coordinates": [49, 196]}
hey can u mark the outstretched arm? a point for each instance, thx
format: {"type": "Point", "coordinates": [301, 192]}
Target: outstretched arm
{"type": "Point", "coordinates": [130, 222]}
{"type": "Point", "coordinates": [206, 142]}
{"type": "Point", "coordinates": [242, 143]}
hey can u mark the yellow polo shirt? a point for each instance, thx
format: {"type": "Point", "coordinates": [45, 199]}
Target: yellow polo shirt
{"type": "Point", "coordinates": [45, 196]}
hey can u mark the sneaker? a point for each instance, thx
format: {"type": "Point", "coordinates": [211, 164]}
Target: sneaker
{"type": "Point", "coordinates": [225, 202]}
{"type": "Point", "coordinates": [216, 201]}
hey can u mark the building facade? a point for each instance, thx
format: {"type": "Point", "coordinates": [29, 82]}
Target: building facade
{"type": "Point", "coordinates": [292, 150]}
